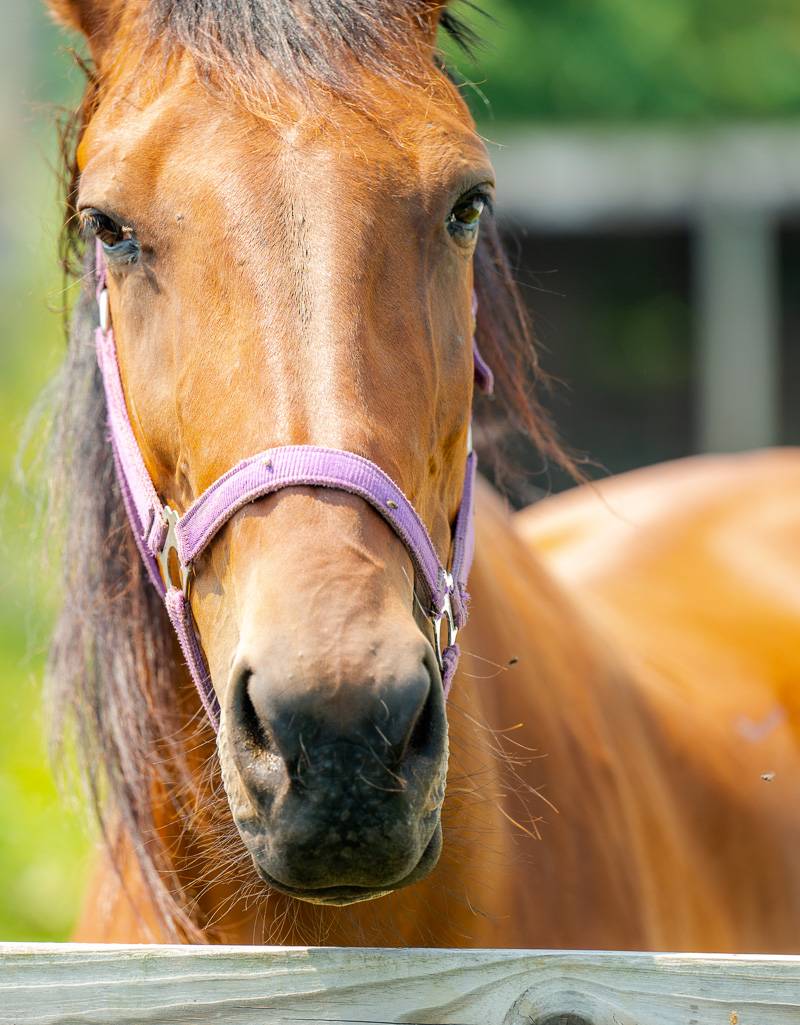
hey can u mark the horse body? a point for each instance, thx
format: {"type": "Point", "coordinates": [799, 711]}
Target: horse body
{"type": "Point", "coordinates": [285, 201]}
{"type": "Point", "coordinates": [690, 573]}
{"type": "Point", "coordinates": [626, 684]}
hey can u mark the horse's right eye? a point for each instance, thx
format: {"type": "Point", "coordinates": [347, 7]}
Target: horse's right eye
{"type": "Point", "coordinates": [119, 241]}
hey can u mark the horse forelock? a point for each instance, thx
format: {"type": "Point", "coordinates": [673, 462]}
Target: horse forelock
{"type": "Point", "coordinates": [303, 41]}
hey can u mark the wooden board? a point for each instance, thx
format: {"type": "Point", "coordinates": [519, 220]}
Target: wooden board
{"type": "Point", "coordinates": [138, 985]}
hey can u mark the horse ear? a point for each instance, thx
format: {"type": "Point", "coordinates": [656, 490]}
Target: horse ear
{"type": "Point", "coordinates": [93, 18]}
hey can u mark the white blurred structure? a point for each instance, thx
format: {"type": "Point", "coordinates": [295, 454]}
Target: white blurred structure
{"type": "Point", "coordinates": [730, 187]}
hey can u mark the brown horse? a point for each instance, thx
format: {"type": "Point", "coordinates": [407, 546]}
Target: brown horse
{"type": "Point", "coordinates": [288, 195]}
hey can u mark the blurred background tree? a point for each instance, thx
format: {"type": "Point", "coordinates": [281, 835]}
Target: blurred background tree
{"type": "Point", "coordinates": [614, 61]}
{"type": "Point", "coordinates": [614, 306]}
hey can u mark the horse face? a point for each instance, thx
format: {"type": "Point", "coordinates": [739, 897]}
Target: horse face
{"type": "Point", "coordinates": [303, 278]}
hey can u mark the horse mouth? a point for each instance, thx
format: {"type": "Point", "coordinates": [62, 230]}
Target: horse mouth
{"type": "Point", "coordinates": [333, 896]}
{"type": "Point", "coordinates": [341, 896]}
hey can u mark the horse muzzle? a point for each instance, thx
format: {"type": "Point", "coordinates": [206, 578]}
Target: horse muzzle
{"type": "Point", "coordinates": [337, 791]}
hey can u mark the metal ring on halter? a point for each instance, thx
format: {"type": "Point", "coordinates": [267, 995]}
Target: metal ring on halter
{"type": "Point", "coordinates": [163, 556]}
{"type": "Point", "coordinates": [446, 613]}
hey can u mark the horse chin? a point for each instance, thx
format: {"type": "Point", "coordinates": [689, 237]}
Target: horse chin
{"type": "Point", "coordinates": [341, 896]}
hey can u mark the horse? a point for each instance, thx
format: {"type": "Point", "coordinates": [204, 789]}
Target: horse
{"type": "Point", "coordinates": [288, 211]}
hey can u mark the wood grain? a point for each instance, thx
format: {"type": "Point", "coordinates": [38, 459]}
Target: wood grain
{"type": "Point", "coordinates": [139, 985]}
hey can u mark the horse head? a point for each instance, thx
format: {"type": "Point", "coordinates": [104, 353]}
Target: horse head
{"type": "Point", "coordinates": [288, 242]}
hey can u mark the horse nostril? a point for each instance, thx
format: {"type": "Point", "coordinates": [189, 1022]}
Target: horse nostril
{"type": "Point", "coordinates": [244, 717]}
{"type": "Point", "coordinates": [261, 728]}
{"type": "Point", "coordinates": [421, 734]}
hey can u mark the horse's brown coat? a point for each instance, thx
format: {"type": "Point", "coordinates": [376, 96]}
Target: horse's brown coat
{"type": "Point", "coordinates": [638, 702]}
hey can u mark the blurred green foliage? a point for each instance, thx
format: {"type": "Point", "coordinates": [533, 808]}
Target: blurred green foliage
{"type": "Point", "coordinates": [634, 60]}
{"type": "Point", "coordinates": [42, 842]}
{"type": "Point", "coordinates": [43, 839]}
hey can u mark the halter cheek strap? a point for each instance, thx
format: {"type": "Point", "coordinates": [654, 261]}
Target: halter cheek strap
{"type": "Point", "coordinates": [169, 543]}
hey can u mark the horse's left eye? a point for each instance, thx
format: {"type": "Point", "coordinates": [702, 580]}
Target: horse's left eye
{"type": "Point", "coordinates": [465, 216]}
{"type": "Point", "coordinates": [119, 240]}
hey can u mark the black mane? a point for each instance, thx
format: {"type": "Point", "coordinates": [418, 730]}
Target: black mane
{"type": "Point", "coordinates": [301, 40]}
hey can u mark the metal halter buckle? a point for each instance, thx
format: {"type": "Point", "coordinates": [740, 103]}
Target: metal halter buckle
{"type": "Point", "coordinates": [446, 613]}
{"type": "Point", "coordinates": [173, 572]}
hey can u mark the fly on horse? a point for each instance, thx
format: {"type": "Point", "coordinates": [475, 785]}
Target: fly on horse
{"type": "Point", "coordinates": [286, 215]}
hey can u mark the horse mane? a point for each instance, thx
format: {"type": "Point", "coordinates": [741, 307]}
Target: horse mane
{"type": "Point", "coordinates": [114, 666]}
{"type": "Point", "coordinates": [302, 42]}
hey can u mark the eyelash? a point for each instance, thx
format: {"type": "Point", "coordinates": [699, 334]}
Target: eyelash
{"type": "Point", "coordinates": [119, 241]}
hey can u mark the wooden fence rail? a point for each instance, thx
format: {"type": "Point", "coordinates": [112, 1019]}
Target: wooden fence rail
{"type": "Point", "coordinates": [47, 984]}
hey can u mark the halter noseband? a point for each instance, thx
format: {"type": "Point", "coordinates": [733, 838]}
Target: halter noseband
{"type": "Point", "coordinates": [170, 543]}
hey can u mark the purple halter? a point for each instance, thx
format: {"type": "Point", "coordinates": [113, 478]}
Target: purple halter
{"type": "Point", "coordinates": [170, 543]}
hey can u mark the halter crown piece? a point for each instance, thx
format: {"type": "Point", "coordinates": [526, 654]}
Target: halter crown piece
{"type": "Point", "coordinates": [169, 543]}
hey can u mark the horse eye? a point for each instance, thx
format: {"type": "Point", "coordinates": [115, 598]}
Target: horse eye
{"type": "Point", "coordinates": [119, 240]}
{"type": "Point", "coordinates": [465, 216]}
